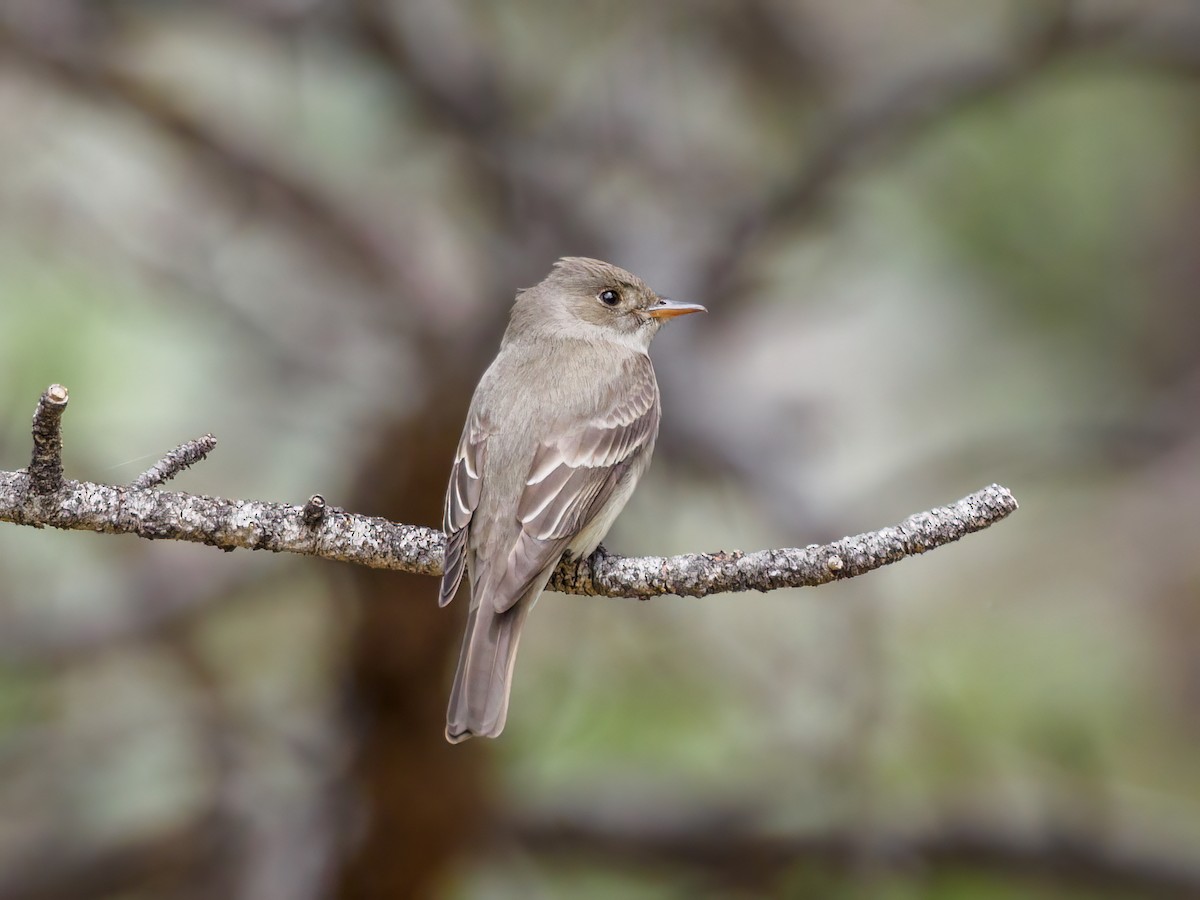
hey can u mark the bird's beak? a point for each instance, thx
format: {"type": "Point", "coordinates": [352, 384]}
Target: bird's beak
{"type": "Point", "coordinates": [667, 309]}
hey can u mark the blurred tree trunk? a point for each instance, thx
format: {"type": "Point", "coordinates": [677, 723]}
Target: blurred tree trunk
{"type": "Point", "coordinates": [423, 799]}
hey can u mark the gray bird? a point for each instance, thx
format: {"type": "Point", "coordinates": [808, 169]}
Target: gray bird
{"type": "Point", "coordinates": [560, 429]}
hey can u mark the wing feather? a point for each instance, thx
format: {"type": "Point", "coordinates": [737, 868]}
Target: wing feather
{"type": "Point", "coordinates": [462, 497]}
{"type": "Point", "coordinates": [573, 475]}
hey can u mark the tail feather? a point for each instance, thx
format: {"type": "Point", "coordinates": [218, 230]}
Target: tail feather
{"type": "Point", "coordinates": [479, 698]}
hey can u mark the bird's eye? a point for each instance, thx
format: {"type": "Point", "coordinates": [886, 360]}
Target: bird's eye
{"type": "Point", "coordinates": [610, 298]}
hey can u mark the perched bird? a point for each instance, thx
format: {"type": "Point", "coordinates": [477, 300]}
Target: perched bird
{"type": "Point", "coordinates": [560, 429]}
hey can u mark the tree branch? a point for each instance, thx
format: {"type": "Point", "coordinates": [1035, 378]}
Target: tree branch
{"type": "Point", "coordinates": [726, 850]}
{"type": "Point", "coordinates": [317, 529]}
{"type": "Point", "coordinates": [701, 574]}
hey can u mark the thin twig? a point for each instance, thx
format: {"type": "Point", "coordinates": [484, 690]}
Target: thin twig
{"type": "Point", "coordinates": [378, 543]}
{"type": "Point", "coordinates": [186, 454]}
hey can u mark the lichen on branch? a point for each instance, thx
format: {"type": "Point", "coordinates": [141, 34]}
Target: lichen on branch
{"type": "Point", "coordinates": [39, 496]}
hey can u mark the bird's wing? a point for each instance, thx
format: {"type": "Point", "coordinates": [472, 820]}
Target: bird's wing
{"type": "Point", "coordinates": [574, 474]}
{"type": "Point", "coordinates": [462, 496]}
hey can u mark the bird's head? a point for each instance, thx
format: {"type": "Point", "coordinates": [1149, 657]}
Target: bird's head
{"type": "Point", "coordinates": [592, 300]}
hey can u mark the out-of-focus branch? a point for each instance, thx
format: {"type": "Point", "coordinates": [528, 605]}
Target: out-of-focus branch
{"type": "Point", "coordinates": [316, 529]}
{"type": "Point", "coordinates": [233, 165]}
{"type": "Point", "coordinates": [907, 106]}
{"type": "Point", "coordinates": [464, 100]}
{"type": "Point", "coordinates": [470, 105]}
{"type": "Point", "coordinates": [55, 871]}
{"type": "Point", "coordinates": [160, 604]}
{"type": "Point", "coordinates": [730, 853]}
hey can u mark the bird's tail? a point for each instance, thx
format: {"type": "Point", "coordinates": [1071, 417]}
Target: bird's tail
{"type": "Point", "coordinates": [479, 698]}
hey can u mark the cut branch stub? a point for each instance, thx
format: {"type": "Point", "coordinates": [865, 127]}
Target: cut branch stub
{"type": "Point", "coordinates": [314, 510]}
{"type": "Point", "coordinates": [45, 467]}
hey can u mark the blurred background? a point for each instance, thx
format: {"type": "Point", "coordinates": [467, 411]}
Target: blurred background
{"type": "Point", "coordinates": [942, 244]}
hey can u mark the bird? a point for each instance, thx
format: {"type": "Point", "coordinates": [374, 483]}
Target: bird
{"type": "Point", "coordinates": [560, 429]}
